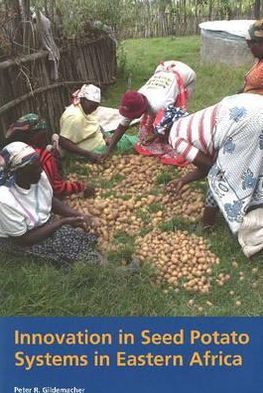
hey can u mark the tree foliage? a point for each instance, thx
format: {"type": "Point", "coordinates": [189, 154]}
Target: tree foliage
{"type": "Point", "coordinates": [123, 18]}
{"type": "Point", "coordinates": [125, 14]}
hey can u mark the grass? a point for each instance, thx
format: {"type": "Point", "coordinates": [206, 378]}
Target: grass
{"type": "Point", "coordinates": [143, 55]}
{"type": "Point", "coordinates": [30, 287]}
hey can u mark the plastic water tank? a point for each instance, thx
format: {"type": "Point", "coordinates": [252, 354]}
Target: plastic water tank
{"type": "Point", "coordinates": [224, 42]}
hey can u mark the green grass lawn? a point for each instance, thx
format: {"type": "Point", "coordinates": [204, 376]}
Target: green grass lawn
{"type": "Point", "coordinates": [141, 57]}
{"type": "Point", "coordinates": [37, 288]}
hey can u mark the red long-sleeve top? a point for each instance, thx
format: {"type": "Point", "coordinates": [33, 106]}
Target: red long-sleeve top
{"type": "Point", "coordinates": [60, 186]}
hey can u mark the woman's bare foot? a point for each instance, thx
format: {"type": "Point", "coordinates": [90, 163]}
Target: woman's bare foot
{"type": "Point", "coordinates": [209, 217]}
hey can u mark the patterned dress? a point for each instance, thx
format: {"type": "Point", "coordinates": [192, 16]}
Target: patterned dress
{"type": "Point", "coordinates": [233, 130]}
{"type": "Point", "coordinates": [64, 246]}
{"type": "Point", "coordinates": [160, 93]}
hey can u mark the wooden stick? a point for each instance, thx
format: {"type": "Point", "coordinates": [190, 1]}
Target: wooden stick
{"type": "Point", "coordinates": [17, 101]}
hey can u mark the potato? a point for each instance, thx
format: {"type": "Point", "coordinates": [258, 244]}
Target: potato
{"type": "Point", "coordinates": [176, 255]}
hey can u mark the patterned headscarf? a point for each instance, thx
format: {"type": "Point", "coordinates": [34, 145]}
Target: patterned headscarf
{"type": "Point", "coordinates": [255, 31]}
{"type": "Point", "coordinates": [27, 123]}
{"type": "Point", "coordinates": [90, 92]}
{"type": "Point", "coordinates": [14, 156]}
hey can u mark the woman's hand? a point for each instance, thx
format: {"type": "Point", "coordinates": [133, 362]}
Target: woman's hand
{"type": "Point", "coordinates": [90, 221]}
{"type": "Point", "coordinates": [149, 139]}
{"type": "Point", "coordinates": [175, 186]}
{"type": "Point", "coordinates": [96, 158]}
{"type": "Point", "coordinates": [89, 192]}
{"type": "Point", "coordinates": [83, 221]}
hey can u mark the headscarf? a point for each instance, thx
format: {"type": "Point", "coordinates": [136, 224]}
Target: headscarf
{"type": "Point", "coordinates": [90, 92]}
{"type": "Point", "coordinates": [27, 123]}
{"type": "Point", "coordinates": [133, 104]}
{"type": "Point", "coordinates": [33, 122]}
{"type": "Point", "coordinates": [255, 31]}
{"type": "Point", "coordinates": [12, 157]}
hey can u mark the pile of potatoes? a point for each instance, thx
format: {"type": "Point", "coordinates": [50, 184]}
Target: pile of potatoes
{"type": "Point", "coordinates": [138, 202]}
{"type": "Point", "coordinates": [115, 214]}
{"type": "Point", "coordinates": [181, 260]}
{"type": "Point", "coordinates": [139, 177]}
{"type": "Point", "coordinates": [135, 169]}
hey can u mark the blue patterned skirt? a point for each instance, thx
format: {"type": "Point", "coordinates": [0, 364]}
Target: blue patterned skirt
{"type": "Point", "coordinates": [65, 245]}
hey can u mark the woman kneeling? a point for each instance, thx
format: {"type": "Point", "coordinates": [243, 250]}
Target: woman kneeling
{"type": "Point", "coordinates": [26, 204]}
{"type": "Point", "coordinates": [225, 143]}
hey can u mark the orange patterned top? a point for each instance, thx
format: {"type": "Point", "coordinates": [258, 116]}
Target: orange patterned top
{"type": "Point", "coordinates": [254, 79]}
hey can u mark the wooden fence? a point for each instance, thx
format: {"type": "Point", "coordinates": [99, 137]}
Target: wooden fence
{"type": "Point", "coordinates": [159, 24]}
{"type": "Point", "coordinates": [26, 85]}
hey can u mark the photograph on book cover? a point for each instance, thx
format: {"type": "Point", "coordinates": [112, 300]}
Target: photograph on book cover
{"type": "Point", "coordinates": [131, 159]}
